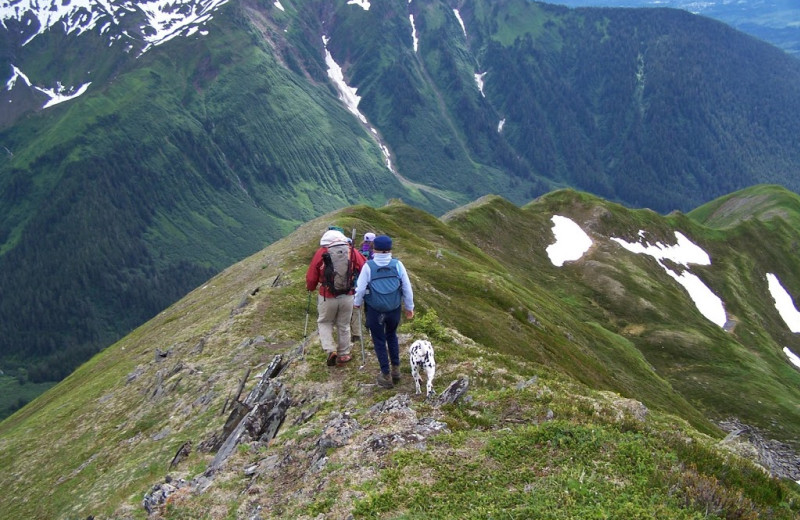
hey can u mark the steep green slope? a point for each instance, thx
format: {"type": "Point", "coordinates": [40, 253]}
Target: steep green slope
{"type": "Point", "coordinates": [177, 162]}
{"type": "Point", "coordinates": [426, 102]}
{"type": "Point", "coordinates": [638, 305]}
{"type": "Point", "coordinates": [557, 358]}
{"type": "Point", "coordinates": [118, 203]}
{"type": "Point", "coordinates": [649, 107]}
{"type": "Point", "coordinates": [591, 99]}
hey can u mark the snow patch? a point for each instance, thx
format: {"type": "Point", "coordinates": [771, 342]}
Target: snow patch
{"type": "Point", "coordinates": [364, 4]}
{"type": "Point", "coordinates": [479, 82]}
{"type": "Point", "coordinates": [61, 93]}
{"type": "Point", "coordinates": [17, 74]}
{"type": "Point", "coordinates": [56, 95]}
{"type": "Point", "coordinates": [571, 241]}
{"type": "Point", "coordinates": [685, 252]}
{"type": "Point", "coordinates": [414, 32]}
{"type": "Point", "coordinates": [461, 22]}
{"type": "Point", "coordinates": [793, 358]}
{"type": "Point", "coordinates": [784, 303]}
{"type": "Point", "coordinates": [386, 155]}
{"type": "Point", "coordinates": [169, 19]}
{"type": "Point", "coordinates": [166, 19]}
{"type": "Point", "coordinates": [347, 94]}
{"type": "Point", "coordinates": [708, 303]}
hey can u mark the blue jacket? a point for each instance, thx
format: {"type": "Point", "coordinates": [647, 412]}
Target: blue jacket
{"type": "Point", "coordinates": [366, 275]}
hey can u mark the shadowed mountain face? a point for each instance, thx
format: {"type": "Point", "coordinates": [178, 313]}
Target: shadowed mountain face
{"type": "Point", "coordinates": [579, 334]}
{"type": "Point", "coordinates": [148, 146]}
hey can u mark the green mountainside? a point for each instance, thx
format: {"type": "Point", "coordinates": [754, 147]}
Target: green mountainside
{"type": "Point", "coordinates": [179, 161]}
{"type": "Point", "coordinates": [595, 388]}
{"type": "Point", "coordinates": [769, 204]}
{"type": "Point", "coordinates": [117, 207]}
{"type": "Point", "coordinates": [773, 22]}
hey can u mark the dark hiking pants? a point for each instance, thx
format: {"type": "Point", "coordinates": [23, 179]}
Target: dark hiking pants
{"type": "Point", "coordinates": [383, 327]}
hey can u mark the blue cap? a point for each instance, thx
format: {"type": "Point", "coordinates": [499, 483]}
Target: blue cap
{"type": "Point", "coordinates": [382, 243]}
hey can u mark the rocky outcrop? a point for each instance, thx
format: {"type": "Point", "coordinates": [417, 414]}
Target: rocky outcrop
{"type": "Point", "coordinates": [777, 457]}
{"type": "Point", "coordinates": [257, 418]}
{"type": "Point", "coordinates": [389, 425]}
{"type": "Point", "coordinates": [454, 391]}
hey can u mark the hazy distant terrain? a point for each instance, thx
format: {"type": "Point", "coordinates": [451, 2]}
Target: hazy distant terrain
{"type": "Point", "coordinates": [775, 21]}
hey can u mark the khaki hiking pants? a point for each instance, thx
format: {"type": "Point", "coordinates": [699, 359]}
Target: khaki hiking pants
{"type": "Point", "coordinates": [335, 313]}
{"type": "Point", "coordinates": [357, 324]}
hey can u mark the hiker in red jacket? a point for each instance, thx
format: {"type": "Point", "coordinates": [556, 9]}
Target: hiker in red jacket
{"type": "Point", "coordinates": [334, 268]}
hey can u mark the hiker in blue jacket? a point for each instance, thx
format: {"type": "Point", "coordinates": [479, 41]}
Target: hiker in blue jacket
{"type": "Point", "coordinates": [384, 287]}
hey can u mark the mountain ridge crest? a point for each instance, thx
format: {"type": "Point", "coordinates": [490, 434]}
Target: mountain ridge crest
{"type": "Point", "coordinates": [604, 353]}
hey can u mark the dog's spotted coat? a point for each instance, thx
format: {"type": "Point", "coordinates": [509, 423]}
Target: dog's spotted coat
{"type": "Point", "coordinates": [420, 355]}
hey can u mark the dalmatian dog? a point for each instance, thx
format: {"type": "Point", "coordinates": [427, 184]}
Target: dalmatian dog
{"type": "Point", "coordinates": [420, 355]}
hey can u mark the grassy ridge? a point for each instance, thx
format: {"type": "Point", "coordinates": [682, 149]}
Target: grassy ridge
{"type": "Point", "coordinates": [767, 203]}
{"type": "Point", "coordinates": [501, 314]}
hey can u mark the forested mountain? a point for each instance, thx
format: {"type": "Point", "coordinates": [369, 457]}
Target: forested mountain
{"type": "Point", "coordinates": [774, 22]}
{"type": "Point", "coordinates": [592, 361]}
{"type": "Point", "coordinates": [147, 146]}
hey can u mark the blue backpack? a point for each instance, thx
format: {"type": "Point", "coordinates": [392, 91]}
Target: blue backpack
{"type": "Point", "coordinates": [385, 287]}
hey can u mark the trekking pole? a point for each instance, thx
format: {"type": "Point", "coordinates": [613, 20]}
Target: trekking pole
{"type": "Point", "coordinates": [305, 328]}
{"type": "Point", "coordinates": [360, 327]}
{"type": "Point", "coordinates": [361, 336]}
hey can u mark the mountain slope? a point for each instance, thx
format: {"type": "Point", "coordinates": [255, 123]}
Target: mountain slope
{"type": "Point", "coordinates": [772, 22]}
{"type": "Point", "coordinates": [149, 145]}
{"type": "Point", "coordinates": [559, 358]}
{"type": "Point", "coordinates": [153, 185]}
{"type": "Point", "coordinates": [769, 204]}
{"type": "Point", "coordinates": [680, 344]}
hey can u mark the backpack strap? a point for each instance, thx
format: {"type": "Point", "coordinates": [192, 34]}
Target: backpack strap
{"type": "Point", "coordinates": [374, 267]}
{"type": "Point", "coordinates": [351, 266]}
{"type": "Point", "coordinates": [324, 268]}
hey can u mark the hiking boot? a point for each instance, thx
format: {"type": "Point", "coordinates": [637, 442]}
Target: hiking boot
{"type": "Point", "coordinates": [395, 374]}
{"type": "Point", "coordinates": [384, 381]}
{"type": "Point", "coordinates": [331, 359]}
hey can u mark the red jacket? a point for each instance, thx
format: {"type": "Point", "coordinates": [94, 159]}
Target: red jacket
{"type": "Point", "coordinates": [317, 266]}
